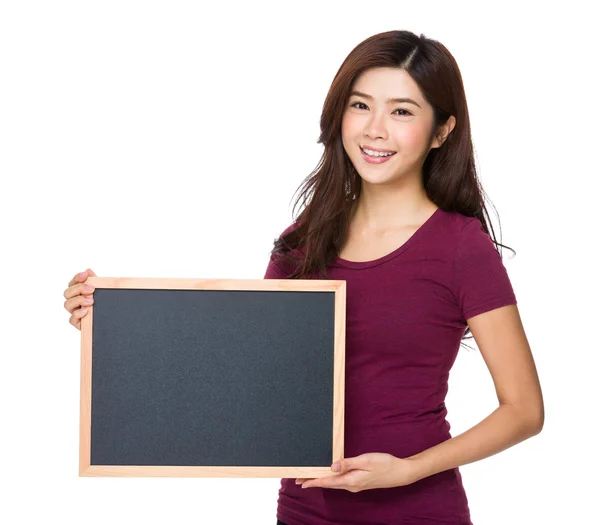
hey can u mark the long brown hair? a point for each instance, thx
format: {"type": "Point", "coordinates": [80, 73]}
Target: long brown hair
{"type": "Point", "coordinates": [329, 192]}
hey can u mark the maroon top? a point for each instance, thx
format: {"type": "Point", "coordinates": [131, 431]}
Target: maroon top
{"type": "Point", "coordinates": [405, 315]}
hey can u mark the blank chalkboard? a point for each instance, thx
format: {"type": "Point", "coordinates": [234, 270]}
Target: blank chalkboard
{"type": "Point", "coordinates": [212, 377]}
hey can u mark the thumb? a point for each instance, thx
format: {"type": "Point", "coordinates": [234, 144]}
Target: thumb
{"type": "Point", "coordinates": [344, 465]}
{"type": "Point", "coordinates": [82, 276]}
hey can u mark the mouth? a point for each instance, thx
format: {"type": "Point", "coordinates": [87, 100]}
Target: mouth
{"type": "Point", "coordinates": [376, 157]}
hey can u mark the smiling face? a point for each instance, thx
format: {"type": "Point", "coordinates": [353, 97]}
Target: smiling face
{"type": "Point", "coordinates": [373, 120]}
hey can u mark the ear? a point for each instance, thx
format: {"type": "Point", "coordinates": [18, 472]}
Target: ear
{"type": "Point", "coordinates": [443, 132]}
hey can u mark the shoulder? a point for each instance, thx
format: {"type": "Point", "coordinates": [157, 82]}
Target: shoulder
{"type": "Point", "coordinates": [290, 228]}
{"type": "Point", "coordinates": [295, 225]}
{"type": "Point", "coordinates": [455, 222]}
{"type": "Point", "coordinates": [472, 237]}
{"type": "Point", "coordinates": [453, 229]}
{"type": "Point", "coordinates": [468, 240]}
{"type": "Point", "coordinates": [295, 252]}
{"type": "Point", "coordinates": [456, 238]}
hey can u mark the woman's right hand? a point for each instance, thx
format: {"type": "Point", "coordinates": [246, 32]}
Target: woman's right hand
{"type": "Point", "coordinates": [79, 295]}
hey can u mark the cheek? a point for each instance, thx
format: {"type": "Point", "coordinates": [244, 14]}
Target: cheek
{"type": "Point", "coordinates": [350, 127]}
{"type": "Point", "coordinates": [412, 138]}
{"type": "Point", "coordinates": [348, 132]}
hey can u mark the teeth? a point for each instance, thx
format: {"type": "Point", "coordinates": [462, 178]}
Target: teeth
{"type": "Point", "coordinates": [376, 153]}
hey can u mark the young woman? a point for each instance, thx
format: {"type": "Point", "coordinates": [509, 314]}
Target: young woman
{"type": "Point", "coordinates": [396, 210]}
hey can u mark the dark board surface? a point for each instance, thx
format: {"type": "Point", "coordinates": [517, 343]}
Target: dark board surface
{"type": "Point", "coordinates": [212, 377]}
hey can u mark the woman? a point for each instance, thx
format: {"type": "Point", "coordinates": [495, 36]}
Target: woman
{"type": "Point", "coordinates": [396, 210]}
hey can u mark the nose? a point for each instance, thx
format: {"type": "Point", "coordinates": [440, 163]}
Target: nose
{"type": "Point", "coordinates": [375, 127]}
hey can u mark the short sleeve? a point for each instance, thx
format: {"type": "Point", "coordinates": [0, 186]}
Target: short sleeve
{"type": "Point", "coordinates": [274, 270]}
{"type": "Point", "coordinates": [481, 282]}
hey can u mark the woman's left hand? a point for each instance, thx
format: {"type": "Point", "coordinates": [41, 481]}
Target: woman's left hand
{"type": "Point", "coordinates": [374, 470]}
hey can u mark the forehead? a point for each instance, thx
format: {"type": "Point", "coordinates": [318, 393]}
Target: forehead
{"type": "Point", "coordinates": [387, 82]}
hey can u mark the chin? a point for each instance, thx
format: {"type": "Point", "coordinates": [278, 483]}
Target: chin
{"type": "Point", "coordinates": [377, 181]}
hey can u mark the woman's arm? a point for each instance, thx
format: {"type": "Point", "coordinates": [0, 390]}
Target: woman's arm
{"type": "Point", "coordinates": [503, 344]}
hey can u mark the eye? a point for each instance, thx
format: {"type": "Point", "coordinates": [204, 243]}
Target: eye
{"type": "Point", "coordinates": [357, 104]}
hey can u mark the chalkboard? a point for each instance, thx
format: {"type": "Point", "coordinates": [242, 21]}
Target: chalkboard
{"type": "Point", "coordinates": [212, 377]}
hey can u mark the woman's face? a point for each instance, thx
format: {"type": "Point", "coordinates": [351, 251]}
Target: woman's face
{"type": "Point", "coordinates": [373, 120]}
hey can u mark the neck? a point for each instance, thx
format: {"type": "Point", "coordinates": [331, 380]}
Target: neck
{"type": "Point", "coordinates": [381, 207]}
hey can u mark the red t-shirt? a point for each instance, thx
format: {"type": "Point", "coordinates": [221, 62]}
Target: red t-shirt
{"type": "Point", "coordinates": [405, 315]}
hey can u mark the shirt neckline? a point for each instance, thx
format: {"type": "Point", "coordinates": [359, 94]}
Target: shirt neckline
{"type": "Point", "coordinates": [358, 265]}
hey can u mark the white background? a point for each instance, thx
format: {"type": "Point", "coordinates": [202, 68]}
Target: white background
{"type": "Point", "coordinates": [167, 139]}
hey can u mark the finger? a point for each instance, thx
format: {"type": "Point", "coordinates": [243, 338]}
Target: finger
{"type": "Point", "coordinates": [75, 322]}
{"type": "Point", "coordinates": [321, 483]}
{"type": "Point", "coordinates": [84, 299]}
{"type": "Point", "coordinates": [81, 277]}
{"type": "Point", "coordinates": [338, 481]}
{"type": "Point", "coordinates": [361, 462]}
{"type": "Point", "coordinates": [75, 319]}
{"type": "Point", "coordinates": [79, 289]}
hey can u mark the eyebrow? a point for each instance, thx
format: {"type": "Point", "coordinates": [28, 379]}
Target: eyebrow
{"type": "Point", "coordinates": [399, 100]}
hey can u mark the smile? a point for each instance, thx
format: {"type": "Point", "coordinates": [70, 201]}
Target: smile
{"type": "Point", "coordinates": [374, 157]}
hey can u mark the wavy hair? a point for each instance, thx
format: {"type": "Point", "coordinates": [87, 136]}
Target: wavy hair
{"type": "Point", "coordinates": [328, 193]}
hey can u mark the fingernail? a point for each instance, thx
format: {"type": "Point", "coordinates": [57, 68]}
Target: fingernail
{"type": "Point", "coordinates": [83, 310]}
{"type": "Point", "coordinates": [83, 274]}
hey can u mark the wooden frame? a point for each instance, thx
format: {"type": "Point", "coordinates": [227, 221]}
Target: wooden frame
{"type": "Point", "coordinates": [288, 471]}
